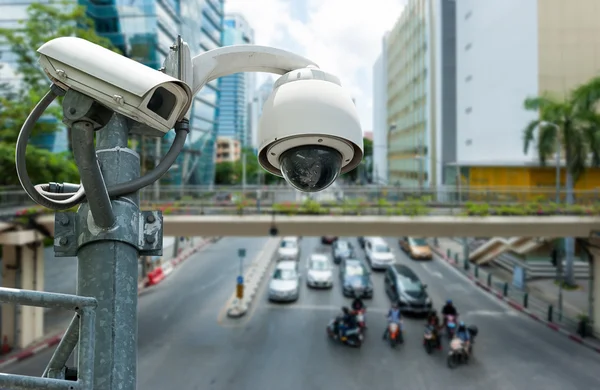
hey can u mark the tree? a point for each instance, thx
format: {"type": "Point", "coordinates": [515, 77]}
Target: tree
{"type": "Point", "coordinates": [44, 22]}
{"type": "Point", "coordinates": [365, 166]}
{"type": "Point", "coordinates": [576, 126]}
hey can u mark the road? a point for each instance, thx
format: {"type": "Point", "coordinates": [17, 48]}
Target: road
{"type": "Point", "coordinates": [186, 342]}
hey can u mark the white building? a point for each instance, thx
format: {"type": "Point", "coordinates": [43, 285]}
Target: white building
{"type": "Point", "coordinates": [380, 128]}
{"type": "Point", "coordinates": [259, 98]}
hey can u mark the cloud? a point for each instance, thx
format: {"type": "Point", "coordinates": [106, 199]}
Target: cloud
{"type": "Point", "coordinates": [343, 37]}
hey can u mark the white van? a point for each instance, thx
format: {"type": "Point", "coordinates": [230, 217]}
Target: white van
{"type": "Point", "coordinates": [379, 254]}
{"type": "Point", "coordinates": [289, 249]}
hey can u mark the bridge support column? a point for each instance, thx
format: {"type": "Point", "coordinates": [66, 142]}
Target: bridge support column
{"type": "Point", "coordinates": [23, 268]}
{"type": "Point", "coordinates": [594, 250]}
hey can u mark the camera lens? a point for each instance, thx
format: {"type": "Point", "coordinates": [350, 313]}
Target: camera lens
{"type": "Point", "coordinates": [311, 168]}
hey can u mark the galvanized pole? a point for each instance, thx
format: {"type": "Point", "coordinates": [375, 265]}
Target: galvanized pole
{"type": "Point", "coordinates": [557, 147]}
{"type": "Point", "coordinates": [107, 269]}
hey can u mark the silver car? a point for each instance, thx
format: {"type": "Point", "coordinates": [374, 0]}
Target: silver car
{"type": "Point", "coordinates": [289, 249]}
{"type": "Point", "coordinates": [285, 283]}
{"type": "Point", "coordinates": [319, 272]}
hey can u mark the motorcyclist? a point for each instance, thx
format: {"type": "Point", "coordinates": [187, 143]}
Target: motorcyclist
{"type": "Point", "coordinates": [449, 310]}
{"type": "Point", "coordinates": [464, 335]}
{"type": "Point", "coordinates": [348, 320]}
{"type": "Point", "coordinates": [433, 321]}
{"type": "Point", "coordinates": [357, 303]}
{"type": "Point", "coordinates": [393, 315]}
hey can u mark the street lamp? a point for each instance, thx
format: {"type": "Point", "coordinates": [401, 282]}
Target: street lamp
{"type": "Point", "coordinates": [310, 130]}
{"type": "Point", "coordinates": [557, 148]}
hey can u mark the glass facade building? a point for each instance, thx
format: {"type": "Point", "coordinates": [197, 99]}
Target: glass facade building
{"type": "Point", "coordinates": [236, 89]}
{"type": "Point", "coordinates": [144, 30]}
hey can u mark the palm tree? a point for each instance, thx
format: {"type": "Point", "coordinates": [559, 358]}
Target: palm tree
{"type": "Point", "coordinates": [576, 126]}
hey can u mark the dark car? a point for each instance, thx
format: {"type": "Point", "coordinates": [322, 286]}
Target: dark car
{"type": "Point", "coordinates": [355, 279]}
{"type": "Point", "coordinates": [403, 286]}
{"type": "Point", "coordinates": [342, 250]}
{"type": "Point", "coordinates": [328, 240]}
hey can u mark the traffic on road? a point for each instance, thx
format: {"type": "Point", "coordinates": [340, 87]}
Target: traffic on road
{"type": "Point", "coordinates": [186, 341]}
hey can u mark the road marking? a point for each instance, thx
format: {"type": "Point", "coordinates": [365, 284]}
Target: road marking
{"type": "Point", "coordinates": [432, 272]}
{"type": "Point", "coordinates": [294, 306]}
{"type": "Point", "coordinates": [491, 313]}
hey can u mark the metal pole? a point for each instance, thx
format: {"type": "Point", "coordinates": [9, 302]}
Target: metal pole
{"type": "Point", "coordinates": [107, 269]}
{"type": "Point", "coordinates": [557, 147]}
{"type": "Point", "coordinates": [560, 287]}
{"type": "Point", "coordinates": [157, 152]}
{"type": "Point", "coordinates": [244, 172]}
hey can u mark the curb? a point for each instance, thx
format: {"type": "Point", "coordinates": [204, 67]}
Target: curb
{"type": "Point", "coordinates": [252, 281]}
{"type": "Point", "coordinates": [55, 339]}
{"type": "Point", "coordinates": [518, 307]}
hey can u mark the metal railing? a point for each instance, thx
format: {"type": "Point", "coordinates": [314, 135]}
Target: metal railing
{"type": "Point", "coordinates": [567, 318]}
{"type": "Point", "coordinates": [81, 331]}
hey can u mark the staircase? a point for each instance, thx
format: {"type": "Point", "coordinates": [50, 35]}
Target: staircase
{"type": "Point", "coordinates": [539, 269]}
{"type": "Point", "coordinates": [497, 246]}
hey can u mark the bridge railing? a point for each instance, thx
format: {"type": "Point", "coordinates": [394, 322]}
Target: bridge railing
{"type": "Point", "coordinates": [359, 196]}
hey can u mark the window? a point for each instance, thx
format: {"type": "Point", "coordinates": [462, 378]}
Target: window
{"type": "Point", "coordinates": [468, 47]}
{"type": "Point", "coordinates": [382, 249]}
{"type": "Point", "coordinates": [468, 78]}
{"type": "Point", "coordinates": [288, 244]}
{"type": "Point", "coordinates": [468, 110]}
{"type": "Point", "coordinates": [418, 241]}
{"type": "Point", "coordinates": [354, 270]}
{"type": "Point", "coordinates": [468, 15]}
{"type": "Point", "coordinates": [319, 265]}
{"type": "Point", "coordinates": [284, 274]}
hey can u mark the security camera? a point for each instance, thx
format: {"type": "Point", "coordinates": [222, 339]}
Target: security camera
{"type": "Point", "coordinates": [309, 131]}
{"type": "Point", "coordinates": [119, 83]}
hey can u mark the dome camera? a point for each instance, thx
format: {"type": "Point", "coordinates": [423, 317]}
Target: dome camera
{"type": "Point", "coordinates": [309, 131]}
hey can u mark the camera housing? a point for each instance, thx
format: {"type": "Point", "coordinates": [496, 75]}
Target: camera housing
{"type": "Point", "coordinates": [309, 130]}
{"type": "Point", "coordinates": [125, 86]}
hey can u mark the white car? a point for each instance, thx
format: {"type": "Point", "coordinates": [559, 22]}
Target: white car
{"type": "Point", "coordinates": [319, 272]}
{"type": "Point", "coordinates": [289, 249]}
{"type": "Point", "coordinates": [285, 283]}
{"type": "Point", "coordinates": [379, 254]}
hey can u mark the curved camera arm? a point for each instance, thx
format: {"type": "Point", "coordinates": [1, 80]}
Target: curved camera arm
{"type": "Point", "coordinates": [229, 60]}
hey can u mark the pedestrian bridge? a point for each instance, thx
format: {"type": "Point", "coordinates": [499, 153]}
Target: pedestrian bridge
{"type": "Point", "coordinates": [322, 225]}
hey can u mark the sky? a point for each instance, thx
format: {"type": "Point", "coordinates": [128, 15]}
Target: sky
{"type": "Point", "coordinates": [343, 37]}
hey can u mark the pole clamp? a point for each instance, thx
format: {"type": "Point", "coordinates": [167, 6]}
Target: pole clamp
{"type": "Point", "coordinates": [141, 229]}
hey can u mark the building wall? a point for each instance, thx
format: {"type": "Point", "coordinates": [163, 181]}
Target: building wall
{"type": "Point", "coordinates": [421, 93]}
{"type": "Point", "coordinates": [497, 68]}
{"type": "Point", "coordinates": [236, 90]}
{"type": "Point", "coordinates": [569, 44]}
{"type": "Point", "coordinates": [143, 31]}
{"type": "Point", "coordinates": [228, 150]}
{"type": "Point", "coordinates": [527, 177]}
{"type": "Point", "coordinates": [380, 127]}
{"type": "Point", "coordinates": [407, 94]}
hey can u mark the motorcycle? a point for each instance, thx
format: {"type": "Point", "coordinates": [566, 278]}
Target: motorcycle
{"type": "Point", "coordinates": [458, 354]}
{"type": "Point", "coordinates": [430, 339]}
{"type": "Point", "coordinates": [351, 337]}
{"type": "Point", "coordinates": [450, 326]}
{"type": "Point", "coordinates": [394, 334]}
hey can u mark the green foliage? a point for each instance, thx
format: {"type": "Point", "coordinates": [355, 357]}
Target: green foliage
{"type": "Point", "coordinates": [531, 209]}
{"type": "Point", "coordinates": [44, 22]}
{"type": "Point", "coordinates": [578, 127]}
{"type": "Point", "coordinates": [42, 165]}
{"type": "Point", "coordinates": [231, 173]}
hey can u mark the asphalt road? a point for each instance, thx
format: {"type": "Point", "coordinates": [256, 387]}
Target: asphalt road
{"type": "Point", "coordinates": [186, 342]}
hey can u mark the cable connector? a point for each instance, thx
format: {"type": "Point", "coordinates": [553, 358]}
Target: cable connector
{"type": "Point", "coordinates": [183, 124]}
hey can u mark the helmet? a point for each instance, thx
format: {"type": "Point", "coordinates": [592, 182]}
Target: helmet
{"type": "Point", "coordinates": [345, 310]}
{"type": "Point", "coordinates": [433, 312]}
{"type": "Point", "coordinates": [461, 326]}
{"type": "Point", "coordinates": [449, 302]}
{"type": "Point", "coordinates": [394, 305]}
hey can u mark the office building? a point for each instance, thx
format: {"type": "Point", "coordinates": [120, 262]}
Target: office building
{"type": "Point", "coordinates": [236, 89]}
{"type": "Point", "coordinates": [259, 98]}
{"type": "Point", "coordinates": [380, 127]}
{"type": "Point", "coordinates": [421, 100]}
{"type": "Point", "coordinates": [144, 31]}
{"type": "Point", "coordinates": [507, 51]}
{"type": "Point", "coordinates": [228, 150]}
